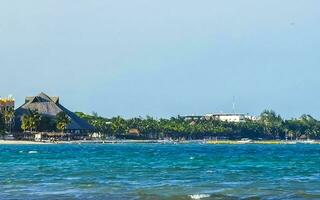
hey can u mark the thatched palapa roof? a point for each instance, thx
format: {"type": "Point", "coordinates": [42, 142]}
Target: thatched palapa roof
{"type": "Point", "coordinates": [50, 106]}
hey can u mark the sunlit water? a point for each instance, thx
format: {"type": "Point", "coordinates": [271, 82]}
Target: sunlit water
{"type": "Point", "coordinates": [155, 171]}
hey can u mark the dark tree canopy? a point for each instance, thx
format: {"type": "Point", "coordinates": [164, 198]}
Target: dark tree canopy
{"type": "Point", "coordinates": [268, 126]}
{"type": "Point", "coordinates": [62, 121]}
{"type": "Point", "coordinates": [2, 124]}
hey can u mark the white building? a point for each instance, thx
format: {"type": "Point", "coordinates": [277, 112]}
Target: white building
{"type": "Point", "coordinates": [227, 117]}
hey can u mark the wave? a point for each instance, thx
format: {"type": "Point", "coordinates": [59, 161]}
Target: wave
{"type": "Point", "coordinates": [199, 196]}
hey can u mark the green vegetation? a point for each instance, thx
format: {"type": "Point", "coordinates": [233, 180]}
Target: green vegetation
{"type": "Point", "coordinates": [62, 121]}
{"type": "Point", "coordinates": [269, 126]}
{"type": "Point", "coordinates": [47, 124]}
{"type": "Point", "coordinates": [8, 118]}
{"type": "Point", "coordinates": [32, 121]}
{"type": "Point", "coordinates": [2, 125]}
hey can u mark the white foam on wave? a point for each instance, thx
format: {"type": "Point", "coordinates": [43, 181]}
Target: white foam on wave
{"type": "Point", "coordinates": [199, 196]}
{"type": "Point", "coordinates": [32, 152]}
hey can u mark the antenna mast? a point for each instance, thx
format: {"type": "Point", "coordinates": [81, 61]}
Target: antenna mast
{"type": "Point", "coordinates": [234, 105]}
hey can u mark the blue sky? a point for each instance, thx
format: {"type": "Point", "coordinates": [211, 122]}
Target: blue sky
{"type": "Point", "coordinates": [164, 58]}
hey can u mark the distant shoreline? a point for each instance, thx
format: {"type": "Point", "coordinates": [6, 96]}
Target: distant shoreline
{"type": "Point", "coordinates": [211, 142]}
{"type": "Point", "coordinates": [20, 142]}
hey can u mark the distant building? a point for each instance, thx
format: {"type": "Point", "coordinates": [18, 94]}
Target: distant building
{"type": "Point", "coordinates": [227, 117]}
{"type": "Point", "coordinates": [191, 117]}
{"type": "Point", "coordinates": [134, 131]}
{"type": "Point", "coordinates": [50, 107]}
{"type": "Point", "coordinates": [6, 104]}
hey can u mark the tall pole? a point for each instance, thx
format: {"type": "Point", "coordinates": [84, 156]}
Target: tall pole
{"type": "Point", "coordinates": [234, 105]}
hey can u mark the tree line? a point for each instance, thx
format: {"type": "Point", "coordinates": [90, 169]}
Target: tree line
{"type": "Point", "coordinates": [6, 121]}
{"type": "Point", "coordinates": [35, 122]}
{"type": "Point", "coordinates": [269, 125]}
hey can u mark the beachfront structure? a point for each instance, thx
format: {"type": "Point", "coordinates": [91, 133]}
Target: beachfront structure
{"type": "Point", "coordinates": [50, 107]}
{"type": "Point", "coordinates": [6, 104]}
{"type": "Point", "coordinates": [227, 117]}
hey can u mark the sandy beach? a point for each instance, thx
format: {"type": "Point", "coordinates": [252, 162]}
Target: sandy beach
{"type": "Point", "coordinates": [20, 142]}
{"type": "Point", "coordinates": [230, 142]}
{"type": "Point", "coordinates": [25, 142]}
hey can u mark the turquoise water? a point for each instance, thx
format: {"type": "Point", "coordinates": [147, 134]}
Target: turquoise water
{"type": "Point", "coordinates": [155, 171]}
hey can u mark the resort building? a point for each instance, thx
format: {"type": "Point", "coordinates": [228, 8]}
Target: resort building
{"type": "Point", "coordinates": [227, 117]}
{"type": "Point", "coordinates": [50, 107]}
{"type": "Point", "coordinates": [6, 104]}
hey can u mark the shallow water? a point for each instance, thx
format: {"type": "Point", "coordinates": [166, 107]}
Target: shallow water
{"type": "Point", "coordinates": [156, 171]}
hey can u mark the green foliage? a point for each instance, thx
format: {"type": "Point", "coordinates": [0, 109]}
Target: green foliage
{"type": "Point", "coordinates": [31, 121]}
{"type": "Point", "coordinates": [268, 126]}
{"type": "Point", "coordinates": [118, 126]}
{"type": "Point", "coordinates": [62, 121]}
{"type": "Point", "coordinates": [272, 123]}
{"type": "Point", "coordinates": [25, 123]}
{"type": "Point", "coordinates": [304, 127]}
{"type": "Point", "coordinates": [47, 124]}
{"type": "Point", "coordinates": [2, 125]}
{"type": "Point", "coordinates": [8, 118]}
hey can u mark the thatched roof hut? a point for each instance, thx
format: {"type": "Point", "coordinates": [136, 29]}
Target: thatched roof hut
{"type": "Point", "coordinates": [50, 107]}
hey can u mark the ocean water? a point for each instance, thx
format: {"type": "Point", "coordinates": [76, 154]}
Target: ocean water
{"type": "Point", "coordinates": [158, 171]}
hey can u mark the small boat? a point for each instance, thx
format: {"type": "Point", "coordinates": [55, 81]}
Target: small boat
{"type": "Point", "coordinates": [289, 142]}
{"type": "Point", "coordinates": [244, 141]}
{"type": "Point", "coordinates": [306, 141]}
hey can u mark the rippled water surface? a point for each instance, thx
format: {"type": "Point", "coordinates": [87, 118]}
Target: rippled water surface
{"type": "Point", "coordinates": [155, 171]}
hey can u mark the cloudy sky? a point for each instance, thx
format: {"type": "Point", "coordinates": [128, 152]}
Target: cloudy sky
{"type": "Point", "coordinates": [163, 58]}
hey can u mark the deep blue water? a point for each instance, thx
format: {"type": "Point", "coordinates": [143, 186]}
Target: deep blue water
{"type": "Point", "coordinates": [155, 171]}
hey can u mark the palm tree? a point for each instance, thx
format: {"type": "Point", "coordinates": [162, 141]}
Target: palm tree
{"type": "Point", "coordinates": [118, 125]}
{"type": "Point", "coordinates": [8, 117]}
{"type": "Point", "coordinates": [2, 125]}
{"type": "Point", "coordinates": [271, 122]}
{"type": "Point", "coordinates": [62, 121]}
{"type": "Point", "coordinates": [31, 121]}
{"type": "Point", "coordinates": [25, 123]}
{"type": "Point", "coordinates": [35, 119]}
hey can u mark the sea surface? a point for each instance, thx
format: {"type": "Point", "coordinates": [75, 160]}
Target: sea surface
{"type": "Point", "coordinates": [160, 171]}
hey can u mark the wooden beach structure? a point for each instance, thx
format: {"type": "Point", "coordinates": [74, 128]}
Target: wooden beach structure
{"type": "Point", "coordinates": [50, 107]}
